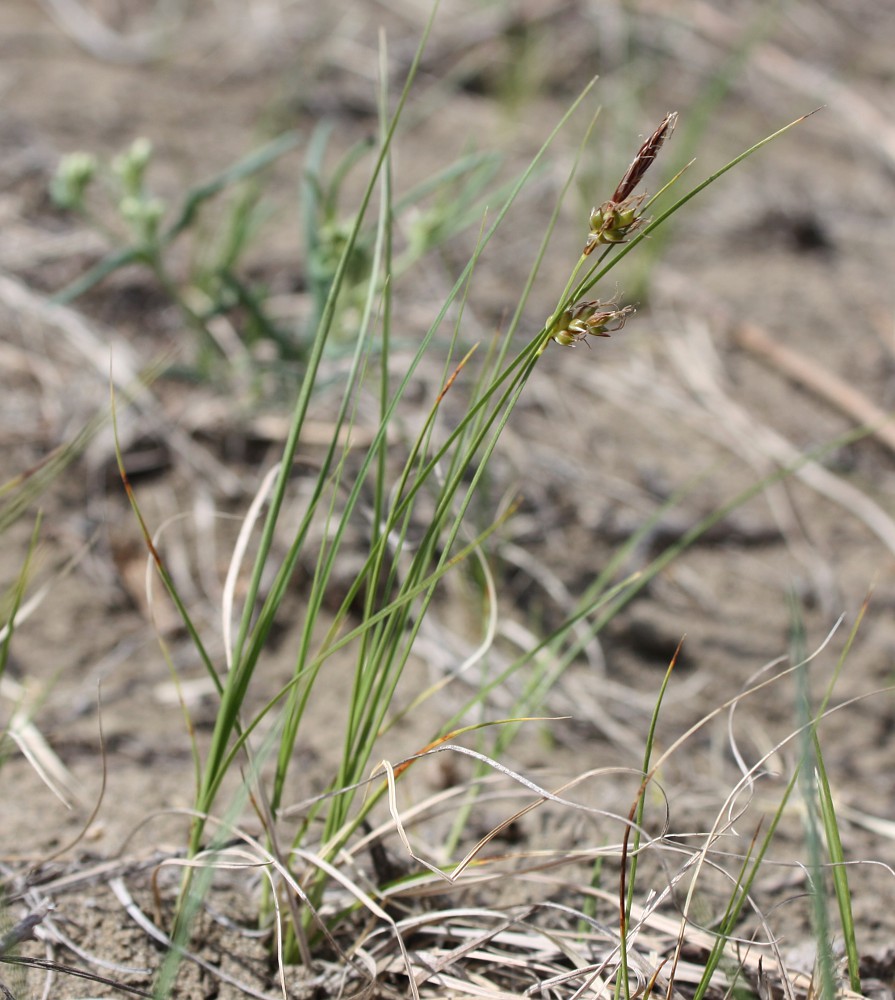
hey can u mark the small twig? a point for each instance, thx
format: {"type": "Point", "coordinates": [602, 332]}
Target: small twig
{"type": "Point", "coordinates": [819, 380]}
{"type": "Point", "coordinates": [24, 929]}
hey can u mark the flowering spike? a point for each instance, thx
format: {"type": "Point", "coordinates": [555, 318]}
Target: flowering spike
{"type": "Point", "coordinates": [616, 219]}
{"type": "Point", "coordinates": [644, 158]}
{"type": "Point", "coordinates": [613, 222]}
{"type": "Point", "coordinates": [593, 318]}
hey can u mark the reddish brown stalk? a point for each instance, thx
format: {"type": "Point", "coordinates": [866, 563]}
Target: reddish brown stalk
{"type": "Point", "coordinates": [147, 537]}
{"type": "Point", "coordinates": [401, 768]}
{"type": "Point", "coordinates": [454, 374]}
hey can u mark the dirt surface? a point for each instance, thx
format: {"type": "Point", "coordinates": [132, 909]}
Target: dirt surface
{"type": "Point", "coordinates": [637, 437]}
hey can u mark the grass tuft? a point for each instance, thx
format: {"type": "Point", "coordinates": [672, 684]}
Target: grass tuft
{"type": "Point", "coordinates": [377, 533]}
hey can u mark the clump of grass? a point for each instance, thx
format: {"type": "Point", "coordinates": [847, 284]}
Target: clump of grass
{"type": "Point", "coordinates": [415, 510]}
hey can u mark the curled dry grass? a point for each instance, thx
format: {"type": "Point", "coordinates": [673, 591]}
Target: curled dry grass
{"type": "Point", "coordinates": [625, 904]}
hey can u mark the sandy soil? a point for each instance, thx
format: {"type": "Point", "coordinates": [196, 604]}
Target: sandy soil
{"type": "Point", "coordinates": [793, 249]}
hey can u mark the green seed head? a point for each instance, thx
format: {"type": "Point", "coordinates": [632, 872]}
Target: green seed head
{"type": "Point", "coordinates": [131, 165]}
{"type": "Point", "coordinates": [143, 215]}
{"type": "Point", "coordinates": [72, 178]}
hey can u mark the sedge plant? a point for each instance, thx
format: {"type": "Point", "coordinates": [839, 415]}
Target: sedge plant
{"type": "Point", "coordinates": [415, 513]}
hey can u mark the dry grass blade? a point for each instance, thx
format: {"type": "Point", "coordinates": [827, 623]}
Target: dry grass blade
{"type": "Point", "coordinates": [24, 929]}
{"type": "Point", "coordinates": [541, 795]}
{"type": "Point", "coordinates": [68, 970]}
{"type": "Point", "coordinates": [698, 365]}
{"type": "Point", "coordinates": [876, 824]}
{"type": "Point", "coordinates": [753, 961]}
{"type": "Point", "coordinates": [36, 750]}
{"type": "Point", "coordinates": [20, 728]}
{"type": "Point", "coordinates": [365, 900]}
{"type": "Point", "coordinates": [100, 352]}
{"type": "Point", "coordinates": [824, 383]}
{"type": "Point", "coordinates": [239, 551]}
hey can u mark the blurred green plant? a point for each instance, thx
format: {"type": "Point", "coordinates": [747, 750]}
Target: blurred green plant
{"type": "Point", "coordinates": [140, 236]}
{"type": "Point", "coordinates": [430, 214]}
{"type": "Point", "coordinates": [426, 217]}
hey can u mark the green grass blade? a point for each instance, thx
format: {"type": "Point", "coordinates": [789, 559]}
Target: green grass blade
{"type": "Point", "coordinates": [159, 563]}
{"type": "Point", "coordinates": [245, 660]}
{"type": "Point", "coordinates": [816, 869]}
{"type": "Point", "coordinates": [831, 825]}
{"type": "Point", "coordinates": [256, 161]}
{"type": "Point", "coordinates": [839, 870]}
{"type": "Point", "coordinates": [112, 262]}
{"type": "Point", "coordinates": [633, 832]}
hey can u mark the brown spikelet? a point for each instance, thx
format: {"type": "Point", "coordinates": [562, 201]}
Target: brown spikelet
{"type": "Point", "coordinates": [615, 220]}
{"type": "Point", "coordinates": [644, 158]}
